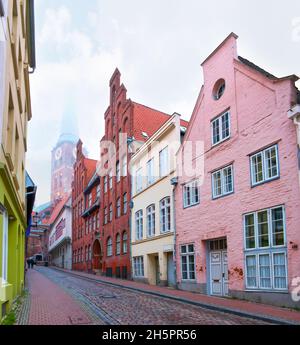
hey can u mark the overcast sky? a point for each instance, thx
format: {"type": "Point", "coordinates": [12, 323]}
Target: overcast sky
{"type": "Point", "coordinates": [157, 45]}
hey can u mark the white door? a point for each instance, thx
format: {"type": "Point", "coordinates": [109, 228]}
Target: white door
{"type": "Point", "coordinates": [219, 273]}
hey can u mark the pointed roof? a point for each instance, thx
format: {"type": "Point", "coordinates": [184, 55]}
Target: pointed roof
{"type": "Point", "coordinates": [57, 209]}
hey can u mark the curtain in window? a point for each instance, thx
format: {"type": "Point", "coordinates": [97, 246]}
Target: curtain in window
{"type": "Point", "coordinates": [279, 271]}
{"type": "Point", "coordinates": [264, 271]}
{"type": "Point", "coordinates": [251, 271]}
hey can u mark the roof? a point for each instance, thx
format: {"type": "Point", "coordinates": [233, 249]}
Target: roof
{"type": "Point", "coordinates": [42, 207]}
{"type": "Point", "coordinates": [57, 209]}
{"type": "Point", "coordinates": [149, 120]}
{"type": "Point", "coordinates": [264, 72]}
{"type": "Point", "coordinates": [90, 165]}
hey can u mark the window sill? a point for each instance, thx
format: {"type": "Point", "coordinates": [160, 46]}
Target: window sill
{"type": "Point", "coordinates": [267, 290]}
{"type": "Point", "coordinates": [222, 196]}
{"type": "Point", "coordinates": [264, 182]}
{"type": "Point", "coordinates": [190, 206]}
{"type": "Point", "coordinates": [220, 142]}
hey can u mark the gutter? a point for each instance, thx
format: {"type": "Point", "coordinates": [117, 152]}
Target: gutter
{"type": "Point", "coordinates": [31, 36]}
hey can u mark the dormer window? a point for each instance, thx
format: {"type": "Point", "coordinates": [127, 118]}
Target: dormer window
{"type": "Point", "coordinates": [219, 89]}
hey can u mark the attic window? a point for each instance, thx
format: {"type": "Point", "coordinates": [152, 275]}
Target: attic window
{"type": "Point", "coordinates": [219, 89]}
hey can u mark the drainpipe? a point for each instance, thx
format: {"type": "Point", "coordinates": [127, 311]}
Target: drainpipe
{"type": "Point", "coordinates": [174, 183]}
{"type": "Point", "coordinates": [294, 114]}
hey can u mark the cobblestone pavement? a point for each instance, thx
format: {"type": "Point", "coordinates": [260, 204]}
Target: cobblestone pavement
{"type": "Point", "coordinates": [59, 298]}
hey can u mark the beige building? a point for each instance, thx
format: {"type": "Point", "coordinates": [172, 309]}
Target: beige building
{"type": "Point", "coordinates": [152, 213]}
{"type": "Point", "coordinates": [17, 60]}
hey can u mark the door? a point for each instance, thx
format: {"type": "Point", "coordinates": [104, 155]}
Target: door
{"type": "Point", "coordinates": [219, 273]}
{"type": "Point", "coordinates": [171, 270]}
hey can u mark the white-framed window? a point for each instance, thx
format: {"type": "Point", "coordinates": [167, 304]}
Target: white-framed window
{"type": "Point", "coordinates": [165, 215]}
{"type": "Point", "coordinates": [150, 172]}
{"type": "Point", "coordinates": [109, 247]}
{"type": "Point", "coordinates": [110, 179]}
{"type": "Point", "coordinates": [266, 270]}
{"type": "Point", "coordinates": [118, 172]}
{"type": "Point", "coordinates": [124, 203]}
{"type": "Point", "coordinates": [90, 253]}
{"type": "Point", "coordinates": [124, 242]}
{"type": "Point", "coordinates": [191, 194]}
{"type": "Point", "coordinates": [138, 266]}
{"type": "Point", "coordinates": [164, 167]}
{"type": "Point", "coordinates": [118, 244]}
{"type": "Point", "coordinates": [220, 128]}
{"type": "Point", "coordinates": [187, 254]}
{"type": "Point", "coordinates": [265, 229]}
{"type": "Point", "coordinates": [124, 166]}
{"type": "Point", "coordinates": [118, 207]}
{"type": "Point", "coordinates": [105, 215]}
{"type": "Point", "coordinates": [98, 191]}
{"type": "Point", "coordinates": [105, 184]}
{"type": "Point", "coordinates": [110, 212]}
{"type": "Point", "coordinates": [222, 182]}
{"type": "Point", "coordinates": [265, 249]}
{"type": "Point", "coordinates": [151, 220]}
{"type": "Point", "coordinates": [139, 224]}
{"type": "Point", "coordinates": [264, 165]}
{"type": "Point", "coordinates": [4, 215]}
{"type": "Point", "coordinates": [139, 180]}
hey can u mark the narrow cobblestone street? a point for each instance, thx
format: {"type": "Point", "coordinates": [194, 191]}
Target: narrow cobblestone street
{"type": "Point", "coordinates": [58, 298]}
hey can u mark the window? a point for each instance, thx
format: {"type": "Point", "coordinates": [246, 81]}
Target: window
{"type": "Point", "coordinates": [139, 224]}
{"type": "Point", "coordinates": [109, 246]}
{"type": "Point", "coordinates": [264, 229]}
{"type": "Point", "coordinates": [90, 252]}
{"type": "Point", "coordinates": [165, 215]}
{"type": "Point", "coordinates": [118, 207]}
{"type": "Point", "coordinates": [86, 253]}
{"type": "Point", "coordinates": [191, 194]}
{"type": "Point", "coordinates": [94, 222]}
{"type": "Point", "coordinates": [138, 266]}
{"type": "Point", "coordinates": [118, 244]}
{"type": "Point", "coordinates": [105, 184]}
{"type": "Point", "coordinates": [98, 191]}
{"type": "Point", "coordinates": [187, 262]}
{"type": "Point", "coordinates": [110, 212]}
{"type": "Point", "coordinates": [264, 232]}
{"type": "Point", "coordinates": [220, 128]}
{"type": "Point", "coordinates": [264, 165]}
{"type": "Point", "coordinates": [150, 172]}
{"type": "Point", "coordinates": [90, 201]}
{"type": "Point", "coordinates": [124, 166]}
{"type": "Point", "coordinates": [164, 162]}
{"type": "Point", "coordinates": [139, 180]}
{"type": "Point", "coordinates": [222, 182]}
{"type": "Point", "coordinates": [110, 180]}
{"type": "Point", "coordinates": [151, 220]}
{"type": "Point", "coordinates": [118, 172]}
{"type": "Point", "coordinates": [124, 242]}
{"type": "Point", "coordinates": [105, 215]}
{"type": "Point", "coordinates": [124, 203]}
{"type": "Point", "coordinates": [219, 89]}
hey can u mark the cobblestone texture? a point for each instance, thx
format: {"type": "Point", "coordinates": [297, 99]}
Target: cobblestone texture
{"type": "Point", "coordinates": [59, 298]}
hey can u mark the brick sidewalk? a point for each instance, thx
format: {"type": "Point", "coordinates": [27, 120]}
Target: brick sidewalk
{"type": "Point", "coordinates": [239, 307]}
{"type": "Point", "coordinates": [51, 305]}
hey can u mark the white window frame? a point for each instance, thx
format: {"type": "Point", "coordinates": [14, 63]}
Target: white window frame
{"type": "Point", "coordinates": [5, 223]}
{"type": "Point", "coordinates": [139, 225]}
{"type": "Point", "coordinates": [150, 220]}
{"type": "Point", "coordinates": [105, 184]}
{"type": "Point", "coordinates": [139, 180]}
{"type": "Point", "coordinates": [124, 166]}
{"type": "Point", "coordinates": [166, 207]}
{"type": "Point", "coordinates": [118, 213]}
{"type": "Point", "coordinates": [124, 242]}
{"type": "Point", "coordinates": [110, 179]}
{"type": "Point", "coordinates": [270, 229]}
{"type": "Point", "coordinates": [190, 187]}
{"type": "Point", "coordinates": [222, 174]}
{"type": "Point", "coordinates": [150, 172]}
{"type": "Point", "coordinates": [187, 254]}
{"type": "Point", "coordinates": [118, 172]}
{"type": "Point", "coordinates": [264, 166]}
{"type": "Point", "coordinates": [118, 244]}
{"type": "Point", "coordinates": [164, 163]}
{"type": "Point", "coordinates": [109, 246]}
{"type": "Point", "coordinates": [219, 120]}
{"type": "Point", "coordinates": [98, 191]}
{"type": "Point", "coordinates": [138, 266]}
{"type": "Point", "coordinates": [125, 203]}
{"type": "Point", "coordinates": [111, 212]}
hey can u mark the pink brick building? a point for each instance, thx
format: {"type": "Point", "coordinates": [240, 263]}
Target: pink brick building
{"type": "Point", "coordinates": [238, 222]}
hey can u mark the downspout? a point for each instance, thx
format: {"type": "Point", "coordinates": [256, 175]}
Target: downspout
{"type": "Point", "coordinates": [294, 114]}
{"type": "Point", "coordinates": [174, 183]}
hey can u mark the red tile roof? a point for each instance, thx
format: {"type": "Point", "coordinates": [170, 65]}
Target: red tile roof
{"type": "Point", "coordinates": [59, 206]}
{"type": "Point", "coordinates": [148, 120]}
{"type": "Point", "coordinates": [90, 165]}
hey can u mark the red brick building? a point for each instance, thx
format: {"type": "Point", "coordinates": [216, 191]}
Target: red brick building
{"type": "Point", "coordinates": [84, 169]}
{"type": "Point", "coordinates": [139, 123]}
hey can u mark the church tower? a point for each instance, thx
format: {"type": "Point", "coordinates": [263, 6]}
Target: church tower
{"type": "Point", "coordinates": [63, 157]}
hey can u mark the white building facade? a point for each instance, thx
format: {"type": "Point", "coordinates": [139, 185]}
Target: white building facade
{"type": "Point", "coordinates": [60, 239]}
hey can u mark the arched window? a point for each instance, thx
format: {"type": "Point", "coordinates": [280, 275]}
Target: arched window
{"type": "Point", "coordinates": [109, 246]}
{"type": "Point", "coordinates": [124, 242]}
{"type": "Point", "coordinates": [165, 215]}
{"type": "Point", "coordinates": [118, 214]}
{"type": "Point", "coordinates": [118, 244]}
{"type": "Point", "coordinates": [151, 220]}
